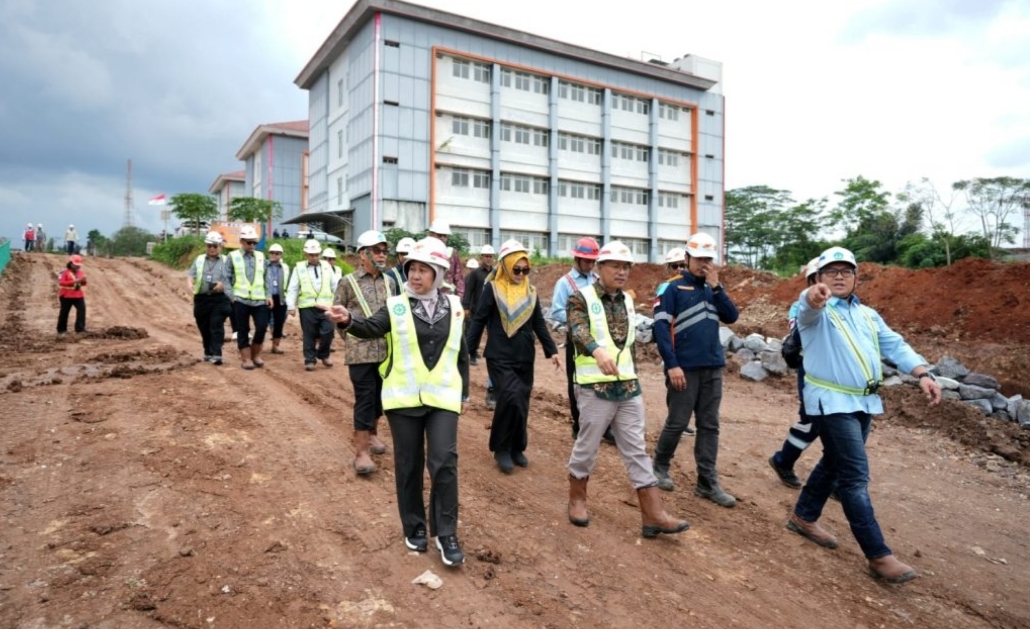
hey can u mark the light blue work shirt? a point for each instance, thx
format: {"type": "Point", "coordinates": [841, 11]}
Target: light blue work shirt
{"type": "Point", "coordinates": [828, 356]}
{"type": "Point", "coordinates": [563, 290]}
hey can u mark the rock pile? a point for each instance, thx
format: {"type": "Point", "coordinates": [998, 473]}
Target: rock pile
{"type": "Point", "coordinates": [759, 357]}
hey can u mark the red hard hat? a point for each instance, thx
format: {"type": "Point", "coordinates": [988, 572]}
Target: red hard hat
{"type": "Point", "coordinates": [76, 259]}
{"type": "Point", "coordinates": [586, 248]}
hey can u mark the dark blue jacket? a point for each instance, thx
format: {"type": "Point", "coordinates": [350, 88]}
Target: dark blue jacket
{"type": "Point", "coordinates": [686, 323]}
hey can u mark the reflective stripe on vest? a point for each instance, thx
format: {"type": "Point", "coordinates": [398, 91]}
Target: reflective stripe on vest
{"type": "Point", "coordinates": [198, 268]}
{"type": "Point", "coordinates": [872, 381]}
{"type": "Point", "coordinates": [308, 296]}
{"type": "Point", "coordinates": [587, 371]}
{"type": "Point", "coordinates": [407, 383]}
{"type": "Point", "coordinates": [242, 288]}
{"type": "Point", "coordinates": [360, 297]}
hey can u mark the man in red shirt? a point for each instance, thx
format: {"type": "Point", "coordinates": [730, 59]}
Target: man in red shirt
{"type": "Point", "coordinates": [71, 281]}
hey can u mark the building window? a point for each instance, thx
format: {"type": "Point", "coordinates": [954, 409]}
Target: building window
{"type": "Point", "coordinates": [629, 196]}
{"type": "Point", "coordinates": [460, 68]}
{"type": "Point", "coordinates": [593, 96]}
{"type": "Point", "coordinates": [522, 81]}
{"type": "Point", "coordinates": [481, 179]}
{"type": "Point", "coordinates": [669, 112]}
{"type": "Point", "coordinates": [522, 135]}
{"type": "Point", "coordinates": [643, 154]}
{"type": "Point", "coordinates": [506, 133]}
{"type": "Point", "coordinates": [460, 178]}
{"type": "Point", "coordinates": [339, 191]}
{"type": "Point", "coordinates": [668, 158]}
{"type": "Point", "coordinates": [643, 106]}
{"type": "Point", "coordinates": [505, 77]}
{"type": "Point", "coordinates": [668, 200]}
{"type": "Point", "coordinates": [339, 143]}
{"type": "Point", "coordinates": [481, 72]}
{"type": "Point", "coordinates": [460, 126]}
{"type": "Point", "coordinates": [541, 85]}
{"type": "Point", "coordinates": [389, 160]}
{"type": "Point", "coordinates": [594, 192]}
{"type": "Point", "coordinates": [541, 186]}
{"type": "Point", "coordinates": [541, 138]}
{"type": "Point", "coordinates": [391, 43]}
{"type": "Point", "coordinates": [522, 183]}
{"type": "Point", "coordinates": [579, 144]}
{"type": "Point", "coordinates": [481, 129]}
{"type": "Point", "coordinates": [339, 93]}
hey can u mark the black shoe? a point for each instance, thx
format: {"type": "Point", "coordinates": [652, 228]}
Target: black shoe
{"type": "Point", "coordinates": [450, 550]}
{"type": "Point", "coordinates": [519, 459]}
{"type": "Point", "coordinates": [473, 360]}
{"type": "Point", "coordinates": [834, 495]}
{"type": "Point", "coordinates": [609, 437]}
{"type": "Point", "coordinates": [418, 540]}
{"type": "Point", "coordinates": [504, 462]}
{"type": "Point", "coordinates": [216, 360]}
{"type": "Point", "coordinates": [688, 430]}
{"type": "Point", "coordinates": [491, 399]}
{"type": "Point", "coordinates": [787, 477]}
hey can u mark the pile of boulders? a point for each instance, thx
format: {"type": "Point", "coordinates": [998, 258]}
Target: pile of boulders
{"type": "Point", "coordinates": [759, 357]}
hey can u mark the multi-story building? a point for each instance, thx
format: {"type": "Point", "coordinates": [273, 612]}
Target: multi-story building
{"type": "Point", "coordinates": [275, 158]}
{"type": "Point", "coordinates": [417, 114]}
{"type": "Point", "coordinates": [227, 187]}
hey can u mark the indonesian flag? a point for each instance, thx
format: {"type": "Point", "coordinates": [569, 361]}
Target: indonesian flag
{"type": "Point", "coordinates": [158, 200]}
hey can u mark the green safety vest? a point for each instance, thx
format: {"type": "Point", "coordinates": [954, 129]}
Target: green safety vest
{"type": "Point", "coordinates": [198, 267]}
{"type": "Point", "coordinates": [243, 288]}
{"type": "Point", "coordinates": [309, 297]}
{"type": "Point", "coordinates": [407, 383]}
{"type": "Point", "coordinates": [873, 375]}
{"type": "Point", "coordinates": [587, 371]}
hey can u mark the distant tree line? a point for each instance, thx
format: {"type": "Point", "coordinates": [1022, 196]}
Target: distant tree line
{"type": "Point", "coordinates": [917, 227]}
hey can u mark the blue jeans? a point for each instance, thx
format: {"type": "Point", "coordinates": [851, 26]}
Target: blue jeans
{"type": "Point", "coordinates": [844, 462]}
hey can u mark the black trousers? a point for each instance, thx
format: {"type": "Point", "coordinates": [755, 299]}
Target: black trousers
{"type": "Point", "coordinates": [278, 314]}
{"type": "Point", "coordinates": [513, 382]}
{"type": "Point", "coordinates": [242, 314]}
{"type": "Point", "coordinates": [570, 373]}
{"type": "Point", "coordinates": [437, 432]}
{"type": "Point", "coordinates": [67, 303]}
{"type": "Point", "coordinates": [210, 313]}
{"type": "Point", "coordinates": [368, 394]}
{"type": "Point", "coordinates": [316, 326]}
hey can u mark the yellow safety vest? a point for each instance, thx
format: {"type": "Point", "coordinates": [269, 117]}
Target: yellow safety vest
{"type": "Point", "coordinates": [407, 383]}
{"type": "Point", "coordinates": [198, 267]}
{"type": "Point", "coordinates": [873, 373]}
{"type": "Point", "coordinates": [243, 288]}
{"type": "Point", "coordinates": [587, 371]}
{"type": "Point", "coordinates": [309, 297]}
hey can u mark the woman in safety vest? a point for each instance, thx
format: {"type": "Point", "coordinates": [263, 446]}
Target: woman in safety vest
{"type": "Point", "coordinates": [508, 303]}
{"type": "Point", "coordinates": [425, 388]}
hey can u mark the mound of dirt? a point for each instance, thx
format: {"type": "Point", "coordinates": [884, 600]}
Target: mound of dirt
{"type": "Point", "coordinates": [119, 332]}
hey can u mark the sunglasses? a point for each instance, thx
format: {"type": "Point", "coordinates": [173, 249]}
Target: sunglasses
{"type": "Point", "coordinates": [677, 266]}
{"type": "Point", "coordinates": [210, 246]}
{"type": "Point", "coordinates": [249, 242]}
{"type": "Point", "coordinates": [380, 250]}
{"type": "Point", "coordinates": [520, 270]}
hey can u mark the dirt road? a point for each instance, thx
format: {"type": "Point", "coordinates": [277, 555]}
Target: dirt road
{"type": "Point", "coordinates": [141, 487]}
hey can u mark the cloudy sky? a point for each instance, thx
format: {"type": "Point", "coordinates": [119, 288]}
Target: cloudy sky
{"type": "Point", "coordinates": [816, 91]}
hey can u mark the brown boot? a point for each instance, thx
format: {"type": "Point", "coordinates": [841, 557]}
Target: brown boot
{"type": "Point", "coordinates": [891, 570]}
{"type": "Point", "coordinates": [812, 531]}
{"type": "Point", "coordinates": [255, 352]}
{"type": "Point", "coordinates": [363, 463]}
{"type": "Point", "coordinates": [275, 346]}
{"type": "Point", "coordinates": [375, 445]}
{"type": "Point", "coordinates": [655, 519]}
{"type": "Point", "coordinates": [245, 358]}
{"type": "Point", "coordinates": [578, 501]}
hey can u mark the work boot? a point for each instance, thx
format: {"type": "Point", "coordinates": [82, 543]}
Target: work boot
{"type": "Point", "coordinates": [256, 355]}
{"type": "Point", "coordinates": [787, 476]}
{"type": "Point", "coordinates": [519, 458]}
{"type": "Point", "coordinates": [655, 520]}
{"type": "Point", "coordinates": [712, 491]}
{"type": "Point", "coordinates": [578, 501]}
{"type": "Point", "coordinates": [665, 483]}
{"type": "Point", "coordinates": [891, 570]}
{"type": "Point", "coordinates": [245, 358]}
{"type": "Point", "coordinates": [504, 462]}
{"type": "Point", "coordinates": [363, 463]}
{"type": "Point", "coordinates": [811, 531]}
{"type": "Point", "coordinates": [375, 445]}
{"type": "Point", "coordinates": [275, 347]}
{"type": "Point", "coordinates": [491, 399]}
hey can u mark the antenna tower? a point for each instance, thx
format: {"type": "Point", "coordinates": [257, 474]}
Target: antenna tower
{"type": "Point", "coordinates": [129, 205]}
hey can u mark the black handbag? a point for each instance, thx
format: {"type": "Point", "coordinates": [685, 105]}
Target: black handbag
{"type": "Point", "coordinates": [791, 350]}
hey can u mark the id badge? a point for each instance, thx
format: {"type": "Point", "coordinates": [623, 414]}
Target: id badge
{"type": "Point", "coordinates": [275, 283]}
{"type": "Point", "coordinates": [208, 277]}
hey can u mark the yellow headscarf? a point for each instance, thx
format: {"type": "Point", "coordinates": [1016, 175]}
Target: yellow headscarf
{"type": "Point", "coordinates": [515, 302]}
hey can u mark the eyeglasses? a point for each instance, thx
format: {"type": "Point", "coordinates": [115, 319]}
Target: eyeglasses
{"type": "Point", "coordinates": [838, 272]}
{"type": "Point", "coordinates": [380, 250]}
{"type": "Point", "coordinates": [677, 266]}
{"type": "Point", "coordinates": [520, 270]}
{"type": "Point", "coordinates": [249, 242]}
{"type": "Point", "coordinates": [275, 253]}
{"type": "Point", "coordinates": [210, 246]}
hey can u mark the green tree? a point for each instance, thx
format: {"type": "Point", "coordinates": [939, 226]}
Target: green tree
{"type": "Point", "coordinates": [796, 232]}
{"type": "Point", "coordinates": [751, 215]}
{"type": "Point", "coordinates": [995, 201]}
{"type": "Point", "coordinates": [193, 208]}
{"type": "Point", "coordinates": [941, 219]}
{"type": "Point", "coordinates": [394, 235]}
{"type": "Point", "coordinates": [861, 202]}
{"type": "Point", "coordinates": [101, 243]}
{"type": "Point", "coordinates": [252, 210]}
{"type": "Point", "coordinates": [131, 241]}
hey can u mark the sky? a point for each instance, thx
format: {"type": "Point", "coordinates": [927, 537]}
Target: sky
{"type": "Point", "coordinates": [816, 92]}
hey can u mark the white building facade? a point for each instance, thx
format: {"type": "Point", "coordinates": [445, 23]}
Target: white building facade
{"type": "Point", "coordinates": [416, 114]}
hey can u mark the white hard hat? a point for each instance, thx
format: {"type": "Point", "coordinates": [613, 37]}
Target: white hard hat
{"type": "Point", "coordinates": [312, 246]}
{"type": "Point", "coordinates": [472, 263]}
{"type": "Point", "coordinates": [811, 268]}
{"type": "Point", "coordinates": [71, 226]}
{"type": "Point", "coordinates": [329, 254]}
{"type": "Point", "coordinates": [370, 238]}
{"type": "Point", "coordinates": [430, 251]}
{"type": "Point", "coordinates": [276, 248]}
{"type": "Point", "coordinates": [213, 238]}
{"type": "Point", "coordinates": [30, 224]}
{"type": "Point", "coordinates": [487, 250]}
{"type": "Point", "coordinates": [701, 245]}
{"type": "Point", "coordinates": [836, 254]}
{"type": "Point", "coordinates": [509, 247]}
{"type": "Point", "coordinates": [40, 225]}
{"type": "Point", "coordinates": [615, 251]}
{"type": "Point", "coordinates": [247, 232]}
{"type": "Point", "coordinates": [405, 244]}
{"type": "Point", "coordinates": [441, 227]}
{"type": "Point", "coordinates": [676, 254]}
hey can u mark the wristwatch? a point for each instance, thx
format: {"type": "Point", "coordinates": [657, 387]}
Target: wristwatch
{"type": "Point", "coordinates": [927, 374]}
